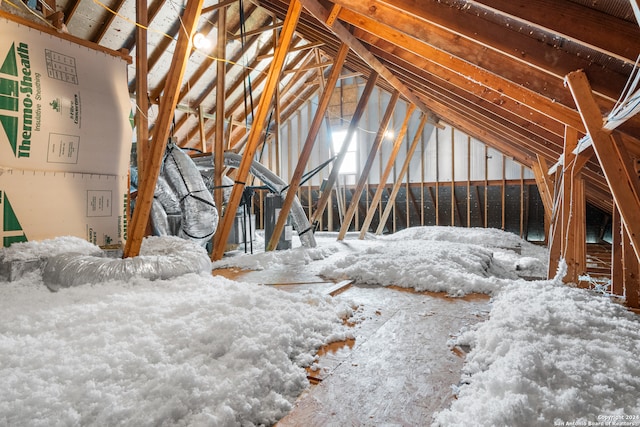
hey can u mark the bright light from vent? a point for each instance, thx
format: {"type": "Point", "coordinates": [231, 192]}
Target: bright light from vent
{"type": "Point", "coordinates": [350, 162]}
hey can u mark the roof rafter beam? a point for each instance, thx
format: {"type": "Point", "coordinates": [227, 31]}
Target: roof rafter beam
{"type": "Point", "coordinates": [514, 55]}
{"type": "Point", "coordinates": [481, 76]}
{"type": "Point", "coordinates": [573, 21]}
{"type": "Point", "coordinates": [284, 41]}
{"type": "Point", "coordinates": [293, 49]}
{"type": "Point", "coordinates": [256, 31]}
{"type": "Point", "coordinates": [321, 14]}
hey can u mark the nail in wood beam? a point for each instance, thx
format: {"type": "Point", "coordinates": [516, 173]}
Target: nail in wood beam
{"type": "Point", "coordinates": [612, 155]}
{"type": "Point", "coordinates": [161, 129]}
{"type": "Point", "coordinates": [362, 181]}
{"type": "Point", "coordinates": [400, 178]}
{"type": "Point", "coordinates": [307, 149]}
{"type": "Point", "coordinates": [373, 206]}
{"type": "Point", "coordinates": [353, 125]}
{"type": "Point", "coordinates": [290, 22]}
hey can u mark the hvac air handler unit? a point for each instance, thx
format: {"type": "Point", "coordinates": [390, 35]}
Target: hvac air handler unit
{"type": "Point", "coordinates": [272, 206]}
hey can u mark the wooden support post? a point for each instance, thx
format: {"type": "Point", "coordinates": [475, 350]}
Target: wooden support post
{"type": "Point", "coordinates": [631, 277]}
{"type": "Point", "coordinates": [364, 175]}
{"type": "Point", "coordinates": [453, 177]}
{"type": "Point", "coordinates": [613, 158]}
{"type": "Point", "coordinates": [521, 201]}
{"type": "Point", "coordinates": [290, 22]}
{"type": "Point", "coordinates": [161, 129]}
{"type": "Point", "coordinates": [468, 182]}
{"type": "Point", "coordinates": [486, 186]}
{"type": "Point", "coordinates": [617, 272]}
{"type": "Point", "coordinates": [203, 136]}
{"type": "Point", "coordinates": [555, 235]}
{"type": "Point", "coordinates": [422, 176]}
{"type": "Point", "coordinates": [387, 171]}
{"type": "Point", "coordinates": [568, 226]}
{"type": "Point", "coordinates": [353, 125]}
{"type": "Point", "coordinates": [399, 178]}
{"type": "Point", "coordinates": [219, 145]}
{"type": "Point", "coordinates": [142, 97]}
{"type": "Point", "coordinates": [503, 191]}
{"type": "Point", "coordinates": [307, 149]}
{"type": "Point", "coordinates": [540, 172]}
{"type": "Point", "coordinates": [579, 222]}
{"type": "Point", "coordinates": [436, 203]}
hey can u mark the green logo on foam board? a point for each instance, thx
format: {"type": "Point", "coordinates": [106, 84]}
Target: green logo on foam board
{"type": "Point", "coordinates": [11, 229]}
{"type": "Point", "coordinates": [11, 87]}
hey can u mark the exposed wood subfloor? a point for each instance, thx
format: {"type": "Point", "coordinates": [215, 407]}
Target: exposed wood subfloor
{"type": "Point", "coordinates": [398, 371]}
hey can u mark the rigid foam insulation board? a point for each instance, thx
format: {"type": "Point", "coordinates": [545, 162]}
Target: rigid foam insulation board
{"type": "Point", "coordinates": [63, 107]}
{"type": "Point", "coordinates": [38, 205]}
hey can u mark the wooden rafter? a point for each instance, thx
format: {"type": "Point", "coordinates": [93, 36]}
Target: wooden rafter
{"type": "Point", "coordinates": [309, 143]}
{"type": "Point", "coordinates": [398, 183]}
{"type": "Point", "coordinates": [515, 91]}
{"type": "Point", "coordinates": [366, 169]}
{"type": "Point", "coordinates": [320, 13]}
{"type": "Point", "coordinates": [373, 205]}
{"type": "Point", "coordinates": [567, 18]}
{"type": "Point", "coordinates": [295, 8]}
{"type": "Point", "coordinates": [107, 23]}
{"type": "Point", "coordinates": [353, 125]}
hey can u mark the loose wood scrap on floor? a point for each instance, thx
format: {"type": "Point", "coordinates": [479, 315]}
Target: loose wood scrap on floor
{"type": "Point", "coordinates": [399, 370]}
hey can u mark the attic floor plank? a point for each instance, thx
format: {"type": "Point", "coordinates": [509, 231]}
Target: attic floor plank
{"type": "Point", "coordinates": [399, 370]}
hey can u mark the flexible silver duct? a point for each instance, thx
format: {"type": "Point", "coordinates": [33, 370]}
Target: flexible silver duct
{"type": "Point", "coordinates": [199, 213]}
{"type": "Point", "coordinates": [160, 258]}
